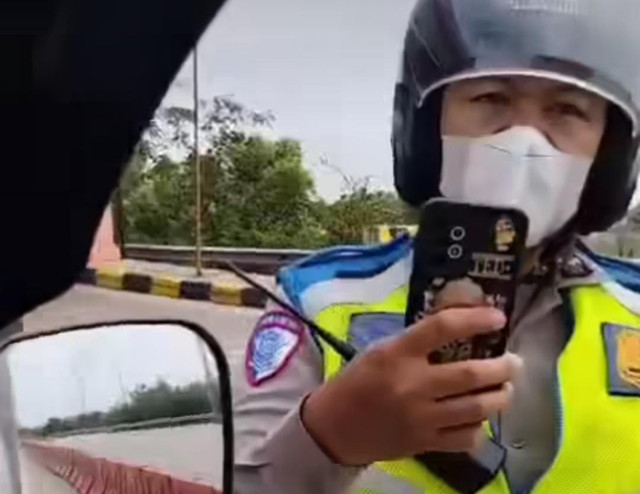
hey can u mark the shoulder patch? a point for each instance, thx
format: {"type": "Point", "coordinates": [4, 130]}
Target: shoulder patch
{"type": "Point", "coordinates": [275, 339]}
{"type": "Point", "coordinates": [623, 359]}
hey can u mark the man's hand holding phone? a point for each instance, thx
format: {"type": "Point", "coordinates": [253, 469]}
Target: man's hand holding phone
{"type": "Point", "coordinates": [391, 402]}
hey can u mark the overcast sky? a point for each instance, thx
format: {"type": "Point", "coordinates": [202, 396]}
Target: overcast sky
{"type": "Point", "coordinates": [326, 70]}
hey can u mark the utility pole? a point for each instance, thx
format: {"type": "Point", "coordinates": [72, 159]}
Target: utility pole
{"type": "Point", "coordinates": [198, 170]}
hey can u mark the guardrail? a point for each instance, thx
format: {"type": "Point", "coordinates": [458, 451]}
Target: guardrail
{"type": "Point", "coordinates": [90, 474]}
{"type": "Point", "coordinates": [262, 261]}
{"type": "Point", "coordinates": [205, 418]}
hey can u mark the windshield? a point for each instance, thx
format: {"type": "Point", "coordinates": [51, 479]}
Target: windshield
{"type": "Point", "coordinates": [264, 202]}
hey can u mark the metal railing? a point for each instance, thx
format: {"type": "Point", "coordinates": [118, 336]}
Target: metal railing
{"type": "Point", "coordinates": [205, 418]}
{"type": "Point", "coordinates": [263, 261]}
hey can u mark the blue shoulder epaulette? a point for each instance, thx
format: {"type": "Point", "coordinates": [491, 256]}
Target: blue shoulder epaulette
{"type": "Point", "coordinates": [622, 271]}
{"type": "Point", "coordinates": [356, 262]}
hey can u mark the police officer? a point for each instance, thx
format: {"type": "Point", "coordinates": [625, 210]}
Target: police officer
{"type": "Point", "coordinates": [523, 103]}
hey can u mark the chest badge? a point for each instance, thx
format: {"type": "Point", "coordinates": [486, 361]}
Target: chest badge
{"type": "Point", "coordinates": [367, 329]}
{"type": "Point", "coordinates": [623, 355]}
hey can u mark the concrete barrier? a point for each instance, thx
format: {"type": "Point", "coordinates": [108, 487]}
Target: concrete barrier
{"type": "Point", "coordinates": [90, 475]}
{"type": "Point", "coordinates": [111, 278]}
{"type": "Point", "coordinates": [172, 287]}
{"type": "Point", "coordinates": [230, 295]}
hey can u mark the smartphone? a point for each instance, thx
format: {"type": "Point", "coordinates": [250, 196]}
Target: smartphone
{"type": "Point", "coordinates": [465, 256]}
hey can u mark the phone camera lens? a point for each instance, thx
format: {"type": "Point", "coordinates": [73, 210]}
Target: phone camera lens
{"type": "Point", "coordinates": [458, 233]}
{"type": "Point", "coordinates": [455, 252]}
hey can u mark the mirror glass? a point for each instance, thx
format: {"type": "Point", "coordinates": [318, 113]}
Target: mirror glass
{"type": "Point", "coordinates": [123, 409]}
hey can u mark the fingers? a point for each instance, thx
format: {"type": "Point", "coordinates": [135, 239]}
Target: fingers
{"type": "Point", "coordinates": [460, 378]}
{"type": "Point", "coordinates": [447, 326]}
{"type": "Point", "coordinates": [471, 409]}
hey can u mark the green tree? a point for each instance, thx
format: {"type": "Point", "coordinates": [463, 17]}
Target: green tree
{"type": "Point", "coordinates": [347, 218]}
{"type": "Point", "coordinates": [160, 400]}
{"type": "Point", "coordinates": [256, 191]}
{"type": "Point", "coordinates": [263, 196]}
{"type": "Point", "coordinates": [360, 207]}
{"type": "Point", "coordinates": [159, 209]}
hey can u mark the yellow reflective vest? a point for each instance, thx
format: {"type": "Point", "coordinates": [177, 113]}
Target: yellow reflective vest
{"type": "Point", "coordinates": [599, 432]}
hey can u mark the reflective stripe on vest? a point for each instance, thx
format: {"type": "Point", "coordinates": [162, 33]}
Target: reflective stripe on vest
{"type": "Point", "coordinates": [599, 433]}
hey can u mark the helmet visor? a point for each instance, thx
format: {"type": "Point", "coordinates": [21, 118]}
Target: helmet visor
{"type": "Point", "coordinates": [591, 44]}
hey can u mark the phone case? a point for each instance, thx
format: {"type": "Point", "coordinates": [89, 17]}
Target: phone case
{"type": "Point", "coordinates": [466, 256]}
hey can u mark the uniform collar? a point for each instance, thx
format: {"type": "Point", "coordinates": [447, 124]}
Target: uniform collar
{"type": "Point", "coordinates": [541, 293]}
{"type": "Point", "coordinates": [574, 270]}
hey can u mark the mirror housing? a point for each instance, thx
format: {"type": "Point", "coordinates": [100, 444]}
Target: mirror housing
{"type": "Point", "coordinates": [146, 401]}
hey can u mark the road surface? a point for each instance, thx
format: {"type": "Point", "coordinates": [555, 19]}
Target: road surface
{"type": "Point", "coordinates": [38, 480]}
{"type": "Point", "coordinates": [192, 452]}
{"type": "Point", "coordinates": [85, 304]}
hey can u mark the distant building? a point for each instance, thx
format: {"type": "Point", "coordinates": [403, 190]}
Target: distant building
{"type": "Point", "coordinates": [382, 234]}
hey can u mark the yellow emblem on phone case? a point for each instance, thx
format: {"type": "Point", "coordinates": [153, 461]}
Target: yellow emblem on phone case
{"type": "Point", "coordinates": [505, 234]}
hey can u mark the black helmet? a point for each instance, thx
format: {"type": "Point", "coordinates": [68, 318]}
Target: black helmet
{"type": "Point", "coordinates": [592, 44]}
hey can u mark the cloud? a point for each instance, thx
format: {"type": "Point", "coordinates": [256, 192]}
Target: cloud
{"type": "Point", "coordinates": [326, 69]}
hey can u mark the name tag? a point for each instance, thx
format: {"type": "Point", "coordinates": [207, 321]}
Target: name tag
{"type": "Point", "coordinates": [623, 359]}
{"type": "Point", "coordinates": [366, 329]}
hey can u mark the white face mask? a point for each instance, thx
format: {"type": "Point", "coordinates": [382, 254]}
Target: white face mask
{"type": "Point", "coordinates": [520, 169]}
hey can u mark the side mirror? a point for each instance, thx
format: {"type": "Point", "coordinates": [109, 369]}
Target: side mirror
{"type": "Point", "coordinates": [131, 407]}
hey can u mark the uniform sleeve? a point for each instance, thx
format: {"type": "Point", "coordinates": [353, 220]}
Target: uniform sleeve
{"type": "Point", "coordinates": [274, 452]}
